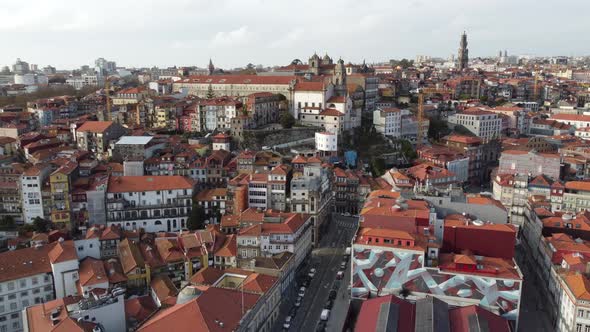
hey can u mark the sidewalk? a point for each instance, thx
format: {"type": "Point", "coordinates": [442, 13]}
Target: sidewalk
{"type": "Point", "coordinates": [341, 304]}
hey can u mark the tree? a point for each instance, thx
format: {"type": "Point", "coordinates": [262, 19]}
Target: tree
{"type": "Point", "coordinates": [287, 120]}
{"type": "Point", "coordinates": [40, 225]}
{"type": "Point", "coordinates": [408, 150]}
{"type": "Point", "coordinates": [210, 92]}
{"type": "Point", "coordinates": [197, 217]}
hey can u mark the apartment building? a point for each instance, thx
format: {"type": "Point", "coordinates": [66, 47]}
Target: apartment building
{"type": "Point", "coordinates": [531, 163]}
{"type": "Point", "coordinates": [154, 203]}
{"type": "Point", "coordinates": [481, 123]}
{"type": "Point", "coordinates": [272, 233]}
{"type": "Point", "coordinates": [96, 136]}
{"type": "Point", "coordinates": [388, 121]}
{"type": "Point", "coordinates": [33, 276]}
{"type": "Point", "coordinates": [311, 193]}
{"type": "Point", "coordinates": [32, 181]}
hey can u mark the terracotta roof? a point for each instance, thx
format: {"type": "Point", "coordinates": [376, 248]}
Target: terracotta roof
{"type": "Point", "coordinates": [95, 126]}
{"type": "Point", "coordinates": [578, 185]}
{"type": "Point", "coordinates": [63, 251]}
{"type": "Point", "coordinates": [309, 86]}
{"type": "Point", "coordinates": [570, 117]}
{"type": "Point", "coordinates": [463, 139]}
{"type": "Point", "coordinates": [120, 184]}
{"type": "Point", "coordinates": [92, 272]}
{"type": "Point", "coordinates": [163, 288]}
{"type": "Point", "coordinates": [39, 317]}
{"type": "Point", "coordinates": [578, 284]}
{"type": "Point", "coordinates": [239, 79]}
{"type": "Point", "coordinates": [203, 313]}
{"type": "Point", "coordinates": [336, 99]}
{"type": "Point", "coordinates": [140, 308]}
{"type": "Point", "coordinates": [229, 247]}
{"type": "Point", "coordinates": [331, 112]}
{"type": "Point", "coordinates": [130, 256]}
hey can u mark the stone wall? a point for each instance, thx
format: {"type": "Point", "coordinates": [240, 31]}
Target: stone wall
{"type": "Point", "coordinates": [257, 138]}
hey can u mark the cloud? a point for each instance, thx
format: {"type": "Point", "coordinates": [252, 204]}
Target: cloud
{"type": "Point", "coordinates": [239, 36]}
{"type": "Point", "coordinates": [289, 40]}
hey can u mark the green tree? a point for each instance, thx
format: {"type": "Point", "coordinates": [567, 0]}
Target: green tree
{"type": "Point", "coordinates": [210, 92]}
{"type": "Point", "coordinates": [40, 225]}
{"type": "Point", "coordinates": [287, 120]}
{"type": "Point", "coordinates": [377, 166]}
{"type": "Point", "coordinates": [197, 217]}
{"type": "Point", "coordinates": [408, 150]}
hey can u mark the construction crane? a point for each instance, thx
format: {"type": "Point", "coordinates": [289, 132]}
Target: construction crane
{"type": "Point", "coordinates": [421, 93]}
{"type": "Point", "coordinates": [107, 92]}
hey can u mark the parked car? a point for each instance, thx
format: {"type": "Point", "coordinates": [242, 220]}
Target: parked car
{"type": "Point", "coordinates": [329, 304]}
{"type": "Point", "coordinates": [333, 294]}
{"type": "Point", "coordinates": [321, 327]}
{"type": "Point", "coordinates": [298, 302]}
{"type": "Point", "coordinates": [301, 291]}
{"type": "Point", "coordinates": [340, 275]}
{"type": "Point", "coordinates": [343, 265]}
{"type": "Point", "coordinates": [311, 272]}
{"type": "Point", "coordinates": [287, 323]}
{"type": "Point", "coordinates": [346, 214]}
{"type": "Point", "coordinates": [325, 314]}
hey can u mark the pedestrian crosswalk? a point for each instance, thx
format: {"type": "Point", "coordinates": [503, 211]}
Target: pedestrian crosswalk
{"type": "Point", "coordinates": [346, 224]}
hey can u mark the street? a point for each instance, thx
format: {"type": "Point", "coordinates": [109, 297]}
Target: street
{"type": "Point", "coordinates": [326, 259]}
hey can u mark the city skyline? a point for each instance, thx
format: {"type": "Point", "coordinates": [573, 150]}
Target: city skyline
{"type": "Point", "coordinates": [192, 32]}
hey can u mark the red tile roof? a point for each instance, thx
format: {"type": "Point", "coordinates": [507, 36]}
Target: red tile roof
{"type": "Point", "coordinates": [120, 184]}
{"type": "Point", "coordinates": [204, 313]}
{"type": "Point", "coordinates": [95, 126]}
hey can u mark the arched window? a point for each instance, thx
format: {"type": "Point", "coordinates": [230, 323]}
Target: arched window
{"type": "Point", "coordinates": [158, 222]}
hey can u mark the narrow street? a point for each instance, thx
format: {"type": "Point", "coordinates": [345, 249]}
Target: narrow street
{"type": "Point", "coordinates": [326, 259]}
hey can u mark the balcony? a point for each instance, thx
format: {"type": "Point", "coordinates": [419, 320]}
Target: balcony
{"type": "Point", "coordinates": [127, 205]}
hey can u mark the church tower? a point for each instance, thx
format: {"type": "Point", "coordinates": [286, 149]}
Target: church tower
{"type": "Point", "coordinates": [463, 54]}
{"type": "Point", "coordinates": [211, 67]}
{"type": "Point", "coordinates": [314, 64]}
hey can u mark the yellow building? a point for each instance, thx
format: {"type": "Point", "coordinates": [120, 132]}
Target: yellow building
{"type": "Point", "coordinates": [60, 183]}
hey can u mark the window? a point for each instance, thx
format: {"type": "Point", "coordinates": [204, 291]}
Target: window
{"type": "Point", "coordinates": [580, 313]}
{"type": "Point", "coordinates": [578, 327]}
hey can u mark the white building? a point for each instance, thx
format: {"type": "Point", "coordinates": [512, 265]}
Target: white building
{"type": "Point", "coordinates": [278, 233]}
{"type": "Point", "coordinates": [154, 203]}
{"type": "Point", "coordinates": [32, 276]}
{"type": "Point", "coordinates": [578, 121]}
{"type": "Point", "coordinates": [106, 313]}
{"type": "Point", "coordinates": [32, 181]}
{"type": "Point", "coordinates": [326, 142]}
{"type": "Point", "coordinates": [484, 124]}
{"type": "Point", "coordinates": [86, 80]}
{"type": "Point", "coordinates": [388, 121]}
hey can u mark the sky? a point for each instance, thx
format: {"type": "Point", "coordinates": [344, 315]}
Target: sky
{"type": "Point", "coordinates": [69, 33]}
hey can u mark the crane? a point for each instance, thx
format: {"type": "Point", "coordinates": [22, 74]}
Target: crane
{"type": "Point", "coordinates": [107, 91]}
{"type": "Point", "coordinates": [421, 93]}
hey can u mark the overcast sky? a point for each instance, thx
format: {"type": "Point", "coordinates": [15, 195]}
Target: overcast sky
{"type": "Point", "coordinates": [70, 33]}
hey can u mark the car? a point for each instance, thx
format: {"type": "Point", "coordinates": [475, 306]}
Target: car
{"type": "Point", "coordinates": [346, 214]}
{"type": "Point", "coordinates": [340, 275]}
{"type": "Point", "coordinates": [301, 291]}
{"type": "Point", "coordinates": [298, 302]}
{"type": "Point", "coordinates": [325, 314]}
{"type": "Point", "coordinates": [287, 323]}
{"type": "Point", "coordinates": [306, 283]}
{"type": "Point", "coordinates": [333, 294]}
{"type": "Point", "coordinates": [311, 272]}
{"type": "Point", "coordinates": [329, 304]}
{"type": "Point", "coordinates": [321, 327]}
{"type": "Point", "coordinates": [343, 265]}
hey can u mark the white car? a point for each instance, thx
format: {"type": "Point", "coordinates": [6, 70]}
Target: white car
{"type": "Point", "coordinates": [287, 323]}
{"type": "Point", "coordinates": [346, 214]}
{"type": "Point", "coordinates": [311, 273]}
{"type": "Point", "coordinates": [301, 292]}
